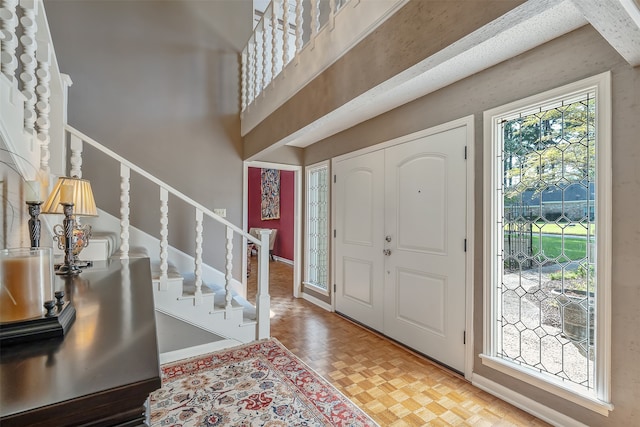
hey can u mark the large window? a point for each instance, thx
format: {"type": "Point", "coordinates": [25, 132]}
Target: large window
{"type": "Point", "coordinates": [317, 228]}
{"type": "Point", "coordinates": [548, 208]}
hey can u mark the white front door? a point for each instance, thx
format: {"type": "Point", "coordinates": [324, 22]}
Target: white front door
{"type": "Point", "coordinates": [359, 238]}
{"type": "Point", "coordinates": [425, 228]}
{"type": "Point", "coordinates": [400, 262]}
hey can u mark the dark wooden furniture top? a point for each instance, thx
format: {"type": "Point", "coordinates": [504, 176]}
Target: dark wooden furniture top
{"type": "Point", "coordinates": [105, 367]}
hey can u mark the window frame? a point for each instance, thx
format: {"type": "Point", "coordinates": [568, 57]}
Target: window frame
{"type": "Point", "coordinates": [599, 399]}
{"type": "Point", "coordinates": [307, 241]}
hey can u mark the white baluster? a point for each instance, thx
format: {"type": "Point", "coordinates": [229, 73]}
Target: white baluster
{"type": "Point", "coordinates": [265, 59]}
{"type": "Point", "coordinates": [228, 277]}
{"type": "Point", "coordinates": [76, 156]}
{"type": "Point", "coordinates": [43, 91]}
{"type": "Point", "coordinates": [333, 9]}
{"type": "Point", "coordinates": [263, 299]}
{"type": "Point", "coordinates": [256, 77]}
{"type": "Point", "coordinates": [28, 61]}
{"type": "Point", "coordinates": [299, 30]}
{"type": "Point", "coordinates": [10, 39]}
{"type": "Point", "coordinates": [164, 239]}
{"type": "Point", "coordinates": [274, 39]}
{"type": "Point", "coordinates": [315, 18]}
{"type": "Point", "coordinates": [198, 259]}
{"type": "Point", "coordinates": [251, 47]}
{"type": "Point", "coordinates": [285, 33]}
{"type": "Point", "coordinates": [244, 81]}
{"type": "Point", "coordinates": [125, 174]}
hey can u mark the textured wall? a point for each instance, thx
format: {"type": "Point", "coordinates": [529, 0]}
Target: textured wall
{"type": "Point", "coordinates": [157, 82]}
{"type": "Point", "coordinates": [577, 55]}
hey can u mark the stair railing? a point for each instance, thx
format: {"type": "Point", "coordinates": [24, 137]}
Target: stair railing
{"type": "Point", "coordinates": [28, 62]}
{"type": "Point", "coordinates": [78, 139]}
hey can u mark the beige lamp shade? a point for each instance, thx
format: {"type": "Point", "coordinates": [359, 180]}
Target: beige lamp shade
{"type": "Point", "coordinates": [71, 190]}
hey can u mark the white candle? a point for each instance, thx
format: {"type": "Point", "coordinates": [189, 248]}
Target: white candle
{"type": "Point", "coordinates": [66, 194]}
{"type": "Point", "coordinates": [32, 191]}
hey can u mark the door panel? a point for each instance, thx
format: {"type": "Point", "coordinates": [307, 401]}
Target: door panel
{"type": "Point", "coordinates": [417, 201]}
{"type": "Point", "coordinates": [425, 198]}
{"type": "Point", "coordinates": [420, 299]}
{"type": "Point", "coordinates": [359, 241]}
{"type": "Point", "coordinates": [358, 283]}
{"type": "Point", "coordinates": [359, 206]}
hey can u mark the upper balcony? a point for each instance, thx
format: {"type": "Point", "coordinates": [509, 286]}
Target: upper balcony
{"type": "Point", "coordinates": [342, 62]}
{"type": "Point", "coordinates": [296, 40]}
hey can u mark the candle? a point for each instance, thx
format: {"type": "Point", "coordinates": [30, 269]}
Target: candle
{"type": "Point", "coordinates": [26, 278]}
{"type": "Point", "coordinates": [32, 191]}
{"type": "Point", "coordinates": [66, 193]}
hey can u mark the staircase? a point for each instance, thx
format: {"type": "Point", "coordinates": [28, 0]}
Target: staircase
{"type": "Point", "coordinates": [212, 304]}
{"type": "Point", "coordinates": [35, 135]}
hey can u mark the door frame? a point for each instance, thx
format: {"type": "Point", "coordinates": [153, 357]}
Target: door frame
{"type": "Point", "coordinates": [297, 224]}
{"type": "Point", "coordinates": [467, 121]}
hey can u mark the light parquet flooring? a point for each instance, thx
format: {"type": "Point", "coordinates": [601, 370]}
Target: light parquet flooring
{"type": "Point", "coordinates": [394, 386]}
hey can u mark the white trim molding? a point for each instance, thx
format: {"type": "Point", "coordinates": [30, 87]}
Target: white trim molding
{"type": "Point", "coordinates": [283, 260]}
{"type": "Point", "coordinates": [523, 402]}
{"type": "Point", "coordinates": [316, 301]}
{"type": "Point", "coordinates": [297, 212]}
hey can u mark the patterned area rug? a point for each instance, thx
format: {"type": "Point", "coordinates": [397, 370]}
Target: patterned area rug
{"type": "Point", "coordinates": [258, 384]}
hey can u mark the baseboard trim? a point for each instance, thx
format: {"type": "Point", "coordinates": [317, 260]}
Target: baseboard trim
{"type": "Point", "coordinates": [316, 301]}
{"type": "Point", "coordinates": [197, 350]}
{"type": "Point", "coordinates": [518, 400]}
{"type": "Point", "coordinates": [280, 259]}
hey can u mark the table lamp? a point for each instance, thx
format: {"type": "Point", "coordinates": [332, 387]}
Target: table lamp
{"type": "Point", "coordinates": [71, 197]}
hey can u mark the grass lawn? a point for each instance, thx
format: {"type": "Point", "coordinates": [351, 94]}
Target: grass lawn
{"type": "Point", "coordinates": [575, 248]}
{"type": "Point", "coordinates": [573, 230]}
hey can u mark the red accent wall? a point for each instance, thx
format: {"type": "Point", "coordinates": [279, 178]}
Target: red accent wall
{"type": "Point", "coordinates": [283, 246]}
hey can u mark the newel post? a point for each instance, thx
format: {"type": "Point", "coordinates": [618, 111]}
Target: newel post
{"type": "Point", "coordinates": [263, 299]}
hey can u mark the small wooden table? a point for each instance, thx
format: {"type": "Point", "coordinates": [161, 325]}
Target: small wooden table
{"type": "Point", "coordinates": [103, 370]}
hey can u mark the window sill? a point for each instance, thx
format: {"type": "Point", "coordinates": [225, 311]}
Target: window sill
{"type": "Point", "coordinates": [316, 288]}
{"type": "Point", "coordinates": [565, 391]}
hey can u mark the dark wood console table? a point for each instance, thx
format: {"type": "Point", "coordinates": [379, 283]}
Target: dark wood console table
{"type": "Point", "coordinates": [101, 373]}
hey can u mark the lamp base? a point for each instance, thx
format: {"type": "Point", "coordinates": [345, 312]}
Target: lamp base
{"type": "Point", "coordinates": [67, 269]}
{"type": "Point", "coordinates": [71, 269]}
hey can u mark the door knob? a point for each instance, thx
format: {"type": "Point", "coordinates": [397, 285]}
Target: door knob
{"type": "Point", "coordinates": [387, 252]}
{"type": "Point", "coordinates": [388, 238]}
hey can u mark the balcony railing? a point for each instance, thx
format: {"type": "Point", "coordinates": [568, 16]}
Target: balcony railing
{"type": "Point", "coordinates": [278, 37]}
{"type": "Point", "coordinates": [309, 33]}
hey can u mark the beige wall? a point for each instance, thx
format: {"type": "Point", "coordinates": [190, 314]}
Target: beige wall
{"type": "Point", "coordinates": [157, 82]}
{"type": "Point", "coordinates": [577, 55]}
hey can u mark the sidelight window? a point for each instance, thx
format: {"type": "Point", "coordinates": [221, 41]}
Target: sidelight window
{"type": "Point", "coordinates": [548, 209]}
{"type": "Point", "coordinates": [317, 227]}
